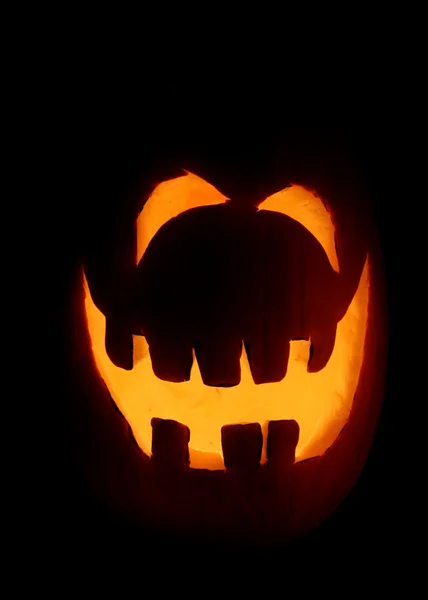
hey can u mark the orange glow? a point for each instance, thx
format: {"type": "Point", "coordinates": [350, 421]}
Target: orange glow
{"type": "Point", "coordinates": [319, 402]}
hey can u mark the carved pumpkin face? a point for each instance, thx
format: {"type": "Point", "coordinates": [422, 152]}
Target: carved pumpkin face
{"type": "Point", "coordinates": [319, 402]}
{"type": "Point", "coordinates": [255, 341]}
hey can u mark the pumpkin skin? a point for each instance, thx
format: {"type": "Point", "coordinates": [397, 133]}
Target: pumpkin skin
{"type": "Point", "coordinates": [258, 505]}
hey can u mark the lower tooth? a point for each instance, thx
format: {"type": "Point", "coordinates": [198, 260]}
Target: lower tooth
{"type": "Point", "coordinates": [242, 446]}
{"type": "Point", "coordinates": [170, 443]}
{"type": "Point", "coordinates": [283, 437]}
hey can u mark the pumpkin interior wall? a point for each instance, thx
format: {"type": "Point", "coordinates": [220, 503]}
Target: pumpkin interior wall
{"type": "Point", "coordinates": [319, 402]}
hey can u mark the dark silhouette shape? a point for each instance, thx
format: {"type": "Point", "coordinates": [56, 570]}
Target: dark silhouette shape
{"type": "Point", "coordinates": [246, 173]}
{"type": "Point", "coordinates": [215, 277]}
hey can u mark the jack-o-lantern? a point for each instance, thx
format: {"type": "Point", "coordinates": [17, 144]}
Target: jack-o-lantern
{"type": "Point", "coordinates": [229, 338]}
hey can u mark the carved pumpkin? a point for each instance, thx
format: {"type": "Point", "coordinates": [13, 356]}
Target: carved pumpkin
{"type": "Point", "coordinates": [230, 343]}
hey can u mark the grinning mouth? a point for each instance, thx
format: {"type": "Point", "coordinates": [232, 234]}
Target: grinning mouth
{"type": "Point", "coordinates": [319, 402]}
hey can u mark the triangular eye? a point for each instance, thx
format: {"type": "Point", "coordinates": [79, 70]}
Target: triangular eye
{"type": "Point", "coordinates": [169, 199]}
{"type": "Point", "coordinates": [309, 210]}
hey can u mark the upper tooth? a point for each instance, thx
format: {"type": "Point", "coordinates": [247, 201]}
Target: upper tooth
{"type": "Point", "coordinates": [218, 358]}
{"type": "Point", "coordinates": [118, 343]}
{"type": "Point", "coordinates": [322, 345]}
{"type": "Point", "coordinates": [171, 357]}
